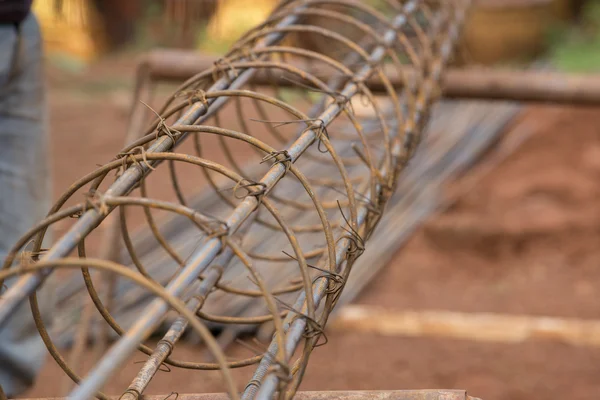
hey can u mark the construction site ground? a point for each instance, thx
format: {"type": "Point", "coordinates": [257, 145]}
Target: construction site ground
{"type": "Point", "coordinates": [524, 240]}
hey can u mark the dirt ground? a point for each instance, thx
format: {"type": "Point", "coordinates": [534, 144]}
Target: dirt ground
{"type": "Point", "coordinates": [525, 240]}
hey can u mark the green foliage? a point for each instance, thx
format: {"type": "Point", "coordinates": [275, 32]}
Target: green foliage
{"type": "Point", "coordinates": [153, 30]}
{"type": "Point", "coordinates": [211, 45]}
{"type": "Point", "coordinates": [294, 95]}
{"type": "Point", "coordinates": [67, 62]}
{"type": "Point", "coordinates": [381, 5]}
{"type": "Point", "coordinates": [577, 49]}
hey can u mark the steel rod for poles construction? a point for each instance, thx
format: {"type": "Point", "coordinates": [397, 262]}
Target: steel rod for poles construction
{"type": "Point", "coordinates": [320, 234]}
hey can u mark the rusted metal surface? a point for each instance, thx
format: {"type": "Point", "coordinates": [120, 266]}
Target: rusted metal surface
{"type": "Point", "coordinates": [333, 395]}
{"type": "Point", "coordinates": [318, 234]}
{"type": "Point", "coordinates": [457, 83]}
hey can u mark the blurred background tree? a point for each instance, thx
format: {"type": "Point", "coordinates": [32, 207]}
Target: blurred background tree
{"type": "Point", "coordinates": [576, 48]}
{"type": "Point", "coordinates": [82, 30]}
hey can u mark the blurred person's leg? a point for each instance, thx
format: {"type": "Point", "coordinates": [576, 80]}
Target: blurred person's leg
{"type": "Point", "coordinates": [24, 185]}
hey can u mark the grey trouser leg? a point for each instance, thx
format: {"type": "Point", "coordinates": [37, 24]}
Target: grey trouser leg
{"type": "Point", "coordinates": [24, 186]}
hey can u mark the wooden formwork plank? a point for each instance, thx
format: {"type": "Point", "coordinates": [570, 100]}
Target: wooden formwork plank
{"type": "Point", "coordinates": [486, 327]}
{"type": "Point", "coordinates": [335, 395]}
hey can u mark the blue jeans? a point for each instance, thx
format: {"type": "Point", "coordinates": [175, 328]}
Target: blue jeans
{"type": "Point", "coordinates": [24, 185]}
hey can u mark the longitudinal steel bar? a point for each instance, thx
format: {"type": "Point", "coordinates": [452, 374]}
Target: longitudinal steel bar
{"type": "Point", "coordinates": [29, 283]}
{"type": "Point", "coordinates": [166, 344]}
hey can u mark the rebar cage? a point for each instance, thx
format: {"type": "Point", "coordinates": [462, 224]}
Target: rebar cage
{"type": "Point", "coordinates": [302, 171]}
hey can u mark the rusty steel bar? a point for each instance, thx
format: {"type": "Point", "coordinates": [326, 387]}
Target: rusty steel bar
{"type": "Point", "coordinates": [309, 138]}
{"type": "Point", "coordinates": [165, 346]}
{"type": "Point", "coordinates": [457, 83]}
